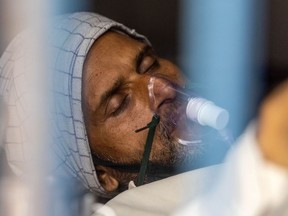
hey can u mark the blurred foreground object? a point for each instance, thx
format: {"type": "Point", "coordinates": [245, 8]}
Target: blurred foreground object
{"type": "Point", "coordinates": [273, 126]}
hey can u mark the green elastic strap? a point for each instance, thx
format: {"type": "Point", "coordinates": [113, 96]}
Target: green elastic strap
{"type": "Point", "coordinates": [145, 159]}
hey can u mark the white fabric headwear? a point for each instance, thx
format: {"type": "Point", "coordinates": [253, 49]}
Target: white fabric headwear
{"type": "Point", "coordinates": [75, 35]}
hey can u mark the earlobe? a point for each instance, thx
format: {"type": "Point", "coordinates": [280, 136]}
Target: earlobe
{"type": "Point", "coordinates": [107, 181]}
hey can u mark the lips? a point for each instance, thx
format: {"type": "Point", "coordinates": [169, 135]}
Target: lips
{"type": "Point", "coordinates": [186, 131]}
{"type": "Point", "coordinates": [176, 124]}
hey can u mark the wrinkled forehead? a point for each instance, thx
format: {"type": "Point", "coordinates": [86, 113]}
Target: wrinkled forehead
{"type": "Point", "coordinates": [111, 45]}
{"type": "Point", "coordinates": [110, 58]}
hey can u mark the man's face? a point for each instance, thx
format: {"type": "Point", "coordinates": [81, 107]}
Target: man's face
{"type": "Point", "coordinates": [116, 101]}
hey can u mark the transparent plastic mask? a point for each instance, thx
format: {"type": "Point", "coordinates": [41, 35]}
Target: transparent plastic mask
{"type": "Point", "coordinates": [192, 114]}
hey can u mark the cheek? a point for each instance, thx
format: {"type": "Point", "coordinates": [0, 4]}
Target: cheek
{"type": "Point", "coordinates": [118, 138]}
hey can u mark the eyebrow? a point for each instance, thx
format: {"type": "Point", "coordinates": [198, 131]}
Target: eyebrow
{"type": "Point", "coordinates": [141, 54]}
{"type": "Point", "coordinates": [121, 80]}
{"type": "Point", "coordinates": [111, 91]}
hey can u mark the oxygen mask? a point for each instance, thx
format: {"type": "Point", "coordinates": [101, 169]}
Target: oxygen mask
{"type": "Point", "coordinates": [187, 112]}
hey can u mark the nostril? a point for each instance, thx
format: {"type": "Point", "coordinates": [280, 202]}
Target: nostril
{"type": "Point", "coordinates": [160, 92]}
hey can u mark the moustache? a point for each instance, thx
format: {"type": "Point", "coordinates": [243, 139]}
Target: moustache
{"type": "Point", "coordinates": [170, 116]}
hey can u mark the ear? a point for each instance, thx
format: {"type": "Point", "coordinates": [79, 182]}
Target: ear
{"type": "Point", "coordinates": [107, 181]}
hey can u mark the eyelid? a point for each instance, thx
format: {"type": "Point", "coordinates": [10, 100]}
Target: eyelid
{"type": "Point", "coordinates": [154, 65]}
{"type": "Point", "coordinates": [144, 67]}
{"type": "Point", "coordinates": [122, 106]}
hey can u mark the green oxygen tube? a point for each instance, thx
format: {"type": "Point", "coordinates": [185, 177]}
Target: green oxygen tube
{"type": "Point", "coordinates": [145, 159]}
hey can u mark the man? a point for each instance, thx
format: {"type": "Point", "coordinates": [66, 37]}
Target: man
{"type": "Point", "coordinates": [100, 72]}
{"type": "Point", "coordinates": [115, 103]}
{"type": "Point", "coordinates": [102, 68]}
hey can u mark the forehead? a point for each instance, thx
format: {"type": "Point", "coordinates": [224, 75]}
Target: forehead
{"type": "Point", "coordinates": [111, 56]}
{"type": "Point", "coordinates": [110, 46]}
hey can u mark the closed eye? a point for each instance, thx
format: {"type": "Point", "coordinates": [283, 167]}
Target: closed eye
{"type": "Point", "coordinates": [121, 106]}
{"type": "Point", "coordinates": [146, 60]}
{"type": "Point", "coordinates": [148, 64]}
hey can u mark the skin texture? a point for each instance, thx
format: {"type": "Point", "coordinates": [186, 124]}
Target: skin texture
{"type": "Point", "coordinates": [110, 126]}
{"type": "Point", "coordinates": [117, 60]}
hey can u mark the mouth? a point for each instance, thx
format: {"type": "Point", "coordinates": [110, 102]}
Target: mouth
{"type": "Point", "coordinates": [179, 129]}
{"type": "Point", "coordinates": [186, 132]}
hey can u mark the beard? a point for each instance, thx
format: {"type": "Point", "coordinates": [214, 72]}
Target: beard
{"type": "Point", "coordinates": [168, 151]}
{"type": "Point", "coordinates": [168, 156]}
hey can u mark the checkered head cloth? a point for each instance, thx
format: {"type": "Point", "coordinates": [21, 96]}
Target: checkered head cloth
{"type": "Point", "coordinates": [75, 34]}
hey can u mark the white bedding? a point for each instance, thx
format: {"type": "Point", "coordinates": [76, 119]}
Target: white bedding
{"type": "Point", "coordinates": [164, 196]}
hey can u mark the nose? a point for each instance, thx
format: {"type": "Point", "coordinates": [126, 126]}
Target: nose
{"type": "Point", "coordinates": [161, 92]}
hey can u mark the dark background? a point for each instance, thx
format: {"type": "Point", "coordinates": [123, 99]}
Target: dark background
{"type": "Point", "coordinates": [277, 44]}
